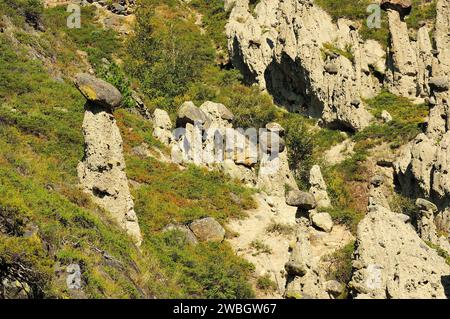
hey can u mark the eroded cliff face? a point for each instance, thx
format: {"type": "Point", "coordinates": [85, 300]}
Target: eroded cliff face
{"type": "Point", "coordinates": [391, 261]}
{"type": "Point", "coordinates": [422, 169]}
{"type": "Point", "coordinates": [289, 48]}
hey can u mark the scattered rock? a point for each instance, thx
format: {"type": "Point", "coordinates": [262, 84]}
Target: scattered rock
{"type": "Point", "coordinates": [322, 221]}
{"type": "Point", "coordinates": [334, 288]}
{"type": "Point", "coordinates": [162, 126]}
{"type": "Point", "coordinates": [207, 229]}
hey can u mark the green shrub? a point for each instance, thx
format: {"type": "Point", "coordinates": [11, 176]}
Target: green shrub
{"type": "Point", "coordinates": [266, 284]}
{"type": "Point", "coordinates": [340, 266]}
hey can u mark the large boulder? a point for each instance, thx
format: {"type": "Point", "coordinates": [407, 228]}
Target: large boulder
{"type": "Point", "coordinates": [98, 91]}
{"type": "Point", "coordinates": [207, 229]}
{"type": "Point", "coordinates": [439, 84]}
{"type": "Point", "coordinates": [189, 113]}
{"type": "Point", "coordinates": [300, 199]}
{"type": "Point", "coordinates": [402, 6]}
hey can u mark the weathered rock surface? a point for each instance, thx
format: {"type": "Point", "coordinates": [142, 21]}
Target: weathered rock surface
{"type": "Point", "coordinates": [207, 229]}
{"type": "Point", "coordinates": [322, 221]}
{"type": "Point", "coordinates": [318, 187]}
{"type": "Point", "coordinates": [281, 47]}
{"type": "Point", "coordinates": [102, 171]}
{"type": "Point", "coordinates": [422, 169]}
{"type": "Point", "coordinates": [305, 280]}
{"type": "Point", "coordinates": [300, 199]}
{"type": "Point", "coordinates": [391, 261]}
{"type": "Point", "coordinates": [98, 91]}
{"type": "Point", "coordinates": [162, 126]}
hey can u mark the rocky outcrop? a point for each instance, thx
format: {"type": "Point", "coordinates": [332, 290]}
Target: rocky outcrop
{"type": "Point", "coordinates": [422, 169]}
{"type": "Point", "coordinates": [102, 171]}
{"type": "Point", "coordinates": [291, 48]}
{"type": "Point", "coordinates": [305, 280]}
{"type": "Point", "coordinates": [162, 126]}
{"type": "Point", "coordinates": [318, 187]}
{"type": "Point", "coordinates": [391, 261]}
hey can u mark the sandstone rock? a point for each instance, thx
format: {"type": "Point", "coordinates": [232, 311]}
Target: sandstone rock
{"type": "Point", "coordinates": [162, 126]}
{"type": "Point", "coordinates": [334, 288]}
{"type": "Point", "coordinates": [423, 204]}
{"type": "Point", "coordinates": [318, 187]}
{"type": "Point", "coordinates": [391, 261]}
{"type": "Point", "coordinates": [207, 229]}
{"type": "Point", "coordinates": [98, 91]}
{"type": "Point", "coordinates": [385, 116]}
{"type": "Point", "coordinates": [300, 199]}
{"type": "Point", "coordinates": [439, 84]}
{"type": "Point", "coordinates": [322, 221]}
{"type": "Point", "coordinates": [274, 174]}
{"type": "Point", "coordinates": [305, 279]}
{"type": "Point", "coordinates": [402, 62]}
{"type": "Point", "coordinates": [279, 46]}
{"type": "Point", "coordinates": [102, 171]}
{"type": "Point", "coordinates": [185, 231]}
{"type": "Point", "coordinates": [219, 114]}
{"type": "Point", "coordinates": [189, 113]}
{"type": "Point", "coordinates": [402, 6]}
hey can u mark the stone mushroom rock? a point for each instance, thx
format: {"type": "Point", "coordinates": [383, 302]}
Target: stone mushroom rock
{"type": "Point", "coordinates": [102, 171]}
{"type": "Point", "coordinates": [279, 46]}
{"type": "Point", "coordinates": [391, 261]}
{"type": "Point", "coordinates": [207, 229]}
{"type": "Point", "coordinates": [304, 280]}
{"type": "Point", "coordinates": [401, 6]}
{"type": "Point", "coordinates": [189, 113]}
{"type": "Point", "coordinates": [98, 91]}
{"type": "Point", "coordinates": [301, 199]}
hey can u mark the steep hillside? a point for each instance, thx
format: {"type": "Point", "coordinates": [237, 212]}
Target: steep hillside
{"type": "Point", "coordinates": [114, 184]}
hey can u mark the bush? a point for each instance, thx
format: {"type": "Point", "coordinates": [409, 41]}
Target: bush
{"type": "Point", "coordinates": [340, 265]}
{"type": "Point", "coordinates": [266, 284]}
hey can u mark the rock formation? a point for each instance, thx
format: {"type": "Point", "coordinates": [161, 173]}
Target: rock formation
{"type": "Point", "coordinates": [423, 167]}
{"type": "Point", "coordinates": [391, 261]}
{"type": "Point", "coordinates": [102, 171]}
{"type": "Point", "coordinates": [318, 187]}
{"type": "Point", "coordinates": [294, 50]}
